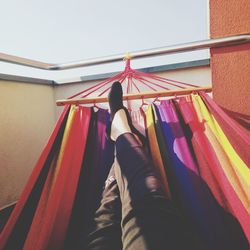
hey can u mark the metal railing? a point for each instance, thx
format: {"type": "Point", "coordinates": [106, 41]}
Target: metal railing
{"type": "Point", "coordinates": [198, 45]}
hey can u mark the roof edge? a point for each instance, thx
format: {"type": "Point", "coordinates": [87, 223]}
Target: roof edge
{"type": "Point", "coordinates": [26, 79]}
{"type": "Point", "coordinates": [161, 68]}
{"type": "Point", "coordinates": [82, 79]}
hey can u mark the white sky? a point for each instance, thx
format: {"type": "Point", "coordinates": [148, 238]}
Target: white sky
{"type": "Point", "coordinates": [71, 30]}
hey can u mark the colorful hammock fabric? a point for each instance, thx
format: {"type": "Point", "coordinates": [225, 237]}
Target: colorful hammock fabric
{"type": "Point", "coordinates": [200, 153]}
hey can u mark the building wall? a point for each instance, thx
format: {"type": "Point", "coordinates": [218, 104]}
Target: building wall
{"type": "Point", "coordinates": [27, 116]}
{"type": "Point", "coordinates": [230, 66]}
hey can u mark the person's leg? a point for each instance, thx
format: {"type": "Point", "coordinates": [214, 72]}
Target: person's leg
{"type": "Point", "coordinates": [107, 232]}
{"type": "Point", "coordinates": [149, 220]}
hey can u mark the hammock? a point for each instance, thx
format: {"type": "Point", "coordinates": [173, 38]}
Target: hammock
{"type": "Point", "coordinates": [201, 154]}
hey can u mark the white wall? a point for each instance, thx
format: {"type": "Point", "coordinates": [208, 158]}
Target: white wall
{"type": "Point", "coordinates": [27, 117]}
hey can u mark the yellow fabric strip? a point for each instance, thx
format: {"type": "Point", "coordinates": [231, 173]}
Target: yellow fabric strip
{"type": "Point", "coordinates": [236, 161]}
{"type": "Point", "coordinates": [234, 168]}
{"type": "Point", "coordinates": [64, 140]}
{"type": "Point", "coordinates": [155, 150]}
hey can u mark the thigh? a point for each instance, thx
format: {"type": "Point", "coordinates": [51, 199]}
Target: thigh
{"type": "Point", "coordinates": [149, 218]}
{"type": "Point", "coordinates": [107, 229]}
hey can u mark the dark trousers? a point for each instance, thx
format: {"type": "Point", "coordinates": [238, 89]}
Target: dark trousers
{"type": "Point", "coordinates": [134, 212]}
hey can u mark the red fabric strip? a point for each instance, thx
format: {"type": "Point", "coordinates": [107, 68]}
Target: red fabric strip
{"type": "Point", "coordinates": [58, 211]}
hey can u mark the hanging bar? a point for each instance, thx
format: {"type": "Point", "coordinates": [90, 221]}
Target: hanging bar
{"type": "Point", "coordinates": [204, 44]}
{"type": "Point", "coordinates": [142, 95]}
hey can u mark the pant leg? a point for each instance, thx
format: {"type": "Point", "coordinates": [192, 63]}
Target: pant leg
{"type": "Point", "coordinates": [107, 232]}
{"type": "Point", "coordinates": [149, 219]}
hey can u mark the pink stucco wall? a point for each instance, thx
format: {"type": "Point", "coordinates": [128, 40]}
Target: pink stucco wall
{"type": "Point", "coordinates": [230, 66]}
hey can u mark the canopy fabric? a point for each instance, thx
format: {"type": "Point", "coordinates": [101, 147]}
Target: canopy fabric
{"type": "Point", "coordinates": [203, 167]}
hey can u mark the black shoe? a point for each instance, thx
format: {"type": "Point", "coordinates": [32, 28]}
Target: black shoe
{"type": "Point", "coordinates": [115, 104]}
